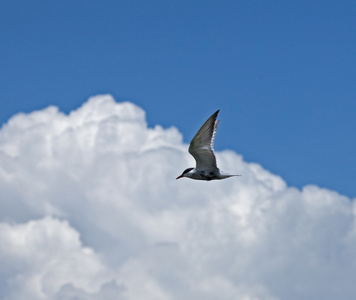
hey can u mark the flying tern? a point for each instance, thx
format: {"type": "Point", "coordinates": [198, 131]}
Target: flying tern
{"type": "Point", "coordinates": [202, 149]}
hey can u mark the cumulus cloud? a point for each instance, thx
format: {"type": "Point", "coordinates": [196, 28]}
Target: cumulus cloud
{"type": "Point", "coordinates": [91, 210]}
{"type": "Point", "coordinates": [41, 256]}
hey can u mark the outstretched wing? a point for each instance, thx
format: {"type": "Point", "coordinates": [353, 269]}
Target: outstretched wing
{"type": "Point", "coordinates": [202, 145]}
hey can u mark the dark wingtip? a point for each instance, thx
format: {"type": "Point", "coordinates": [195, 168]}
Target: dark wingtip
{"type": "Point", "coordinates": [215, 114]}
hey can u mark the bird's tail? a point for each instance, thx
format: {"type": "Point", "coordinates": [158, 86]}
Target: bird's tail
{"type": "Point", "coordinates": [223, 175]}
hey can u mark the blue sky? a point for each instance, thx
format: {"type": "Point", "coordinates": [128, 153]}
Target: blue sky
{"type": "Point", "coordinates": [282, 73]}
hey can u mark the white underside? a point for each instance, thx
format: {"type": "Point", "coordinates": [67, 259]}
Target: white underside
{"type": "Point", "coordinates": [207, 175]}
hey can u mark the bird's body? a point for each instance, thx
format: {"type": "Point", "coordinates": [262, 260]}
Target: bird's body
{"type": "Point", "coordinates": [202, 149]}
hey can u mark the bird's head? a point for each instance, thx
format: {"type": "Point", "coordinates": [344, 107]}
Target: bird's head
{"type": "Point", "coordinates": [185, 173]}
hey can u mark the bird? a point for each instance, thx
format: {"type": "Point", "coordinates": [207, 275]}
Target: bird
{"type": "Point", "coordinates": [202, 149]}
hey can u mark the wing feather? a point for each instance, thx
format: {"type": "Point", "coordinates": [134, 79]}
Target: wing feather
{"type": "Point", "coordinates": [202, 145]}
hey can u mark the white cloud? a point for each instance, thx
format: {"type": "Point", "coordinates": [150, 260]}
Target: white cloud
{"type": "Point", "coordinates": [41, 256]}
{"type": "Point", "coordinates": [91, 210]}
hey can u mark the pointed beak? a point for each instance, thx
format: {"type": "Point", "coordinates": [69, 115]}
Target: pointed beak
{"type": "Point", "coordinates": [180, 176]}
